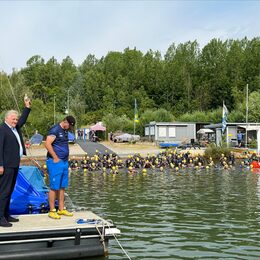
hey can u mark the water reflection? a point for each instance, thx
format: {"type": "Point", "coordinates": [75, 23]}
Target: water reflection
{"type": "Point", "coordinates": [185, 215]}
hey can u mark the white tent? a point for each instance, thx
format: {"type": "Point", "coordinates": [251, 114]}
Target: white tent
{"type": "Point", "coordinates": [205, 131]}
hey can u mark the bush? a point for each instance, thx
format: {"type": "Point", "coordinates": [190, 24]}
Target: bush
{"type": "Point", "coordinates": [253, 143]}
{"type": "Point", "coordinates": [215, 151]}
{"type": "Point", "coordinates": [118, 123]}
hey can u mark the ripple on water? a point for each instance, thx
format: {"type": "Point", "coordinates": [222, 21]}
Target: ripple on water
{"type": "Point", "coordinates": [182, 215]}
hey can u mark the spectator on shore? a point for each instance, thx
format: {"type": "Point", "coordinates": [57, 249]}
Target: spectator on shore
{"type": "Point", "coordinates": [239, 138]}
{"type": "Point", "coordinates": [111, 136]}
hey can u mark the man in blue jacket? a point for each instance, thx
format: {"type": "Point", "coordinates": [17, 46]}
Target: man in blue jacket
{"type": "Point", "coordinates": [11, 150]}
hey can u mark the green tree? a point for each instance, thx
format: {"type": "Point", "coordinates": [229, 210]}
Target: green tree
{"type": "Point", "coordinates": [33, 76]}
{"type": "Point", "coordinates": [109, 101]}
{"type": "Point", "coordinates": [214, 74]}
{"type": "Point", "coordinates": [252, 64]}
{"type": "Point", "coordinates": [235, 64]}
{"type": "Point", "coordinates": [181, 65]}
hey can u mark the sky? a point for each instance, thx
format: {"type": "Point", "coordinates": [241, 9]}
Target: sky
{"type": "Point", "coordinates": [78, 28]}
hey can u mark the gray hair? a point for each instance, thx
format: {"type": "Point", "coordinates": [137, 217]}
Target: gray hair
{"type": "Point", "coordinates": [11, 112]}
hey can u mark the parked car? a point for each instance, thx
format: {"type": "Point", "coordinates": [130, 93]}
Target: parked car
{"type": "Point", "coordinates": [126, 138]}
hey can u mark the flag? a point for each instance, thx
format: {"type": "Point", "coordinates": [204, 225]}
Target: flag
{"type": "Point", "coordinates": [136, 119]}
{"type": "Point", "coordinates": [224, 118]}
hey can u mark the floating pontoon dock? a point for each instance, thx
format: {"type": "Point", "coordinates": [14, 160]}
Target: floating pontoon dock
{"type": "Point", "coordinates": [37, 236]}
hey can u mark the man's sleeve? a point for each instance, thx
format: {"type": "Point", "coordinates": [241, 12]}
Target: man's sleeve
{"type": "Point", "coordinates": [1, 147]}
{"type": "Point", "coordinates": [52, 132]}
{"type": "Point", "coordinates": [23, 117]}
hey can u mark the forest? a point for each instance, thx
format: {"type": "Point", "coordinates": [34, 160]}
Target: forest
{"type": "Point", "coordinates": [187, 83]}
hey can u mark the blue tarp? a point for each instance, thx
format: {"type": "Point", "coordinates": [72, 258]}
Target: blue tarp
{"type": "Point", "coordinates": [35, 177]}
{"type": "Point", "coordinates": [30, 192]}
{"type": "Point", "coordinates": [167, 145]}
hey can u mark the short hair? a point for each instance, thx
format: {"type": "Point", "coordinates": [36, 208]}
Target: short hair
{"type": "Point", "coordinates": [11, 112]}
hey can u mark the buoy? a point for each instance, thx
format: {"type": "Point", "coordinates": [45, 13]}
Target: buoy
{"type": "Point", "coordinates": [255, 164]}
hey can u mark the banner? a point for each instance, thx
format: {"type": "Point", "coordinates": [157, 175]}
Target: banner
{"type": "Point", "coordinates": [224, 118]}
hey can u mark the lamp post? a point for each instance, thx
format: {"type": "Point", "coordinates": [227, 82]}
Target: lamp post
{"type": "Point", "coordinates": [68, 101]}
{"type": "Point", "coordinates": [67, 110]}
{"type": "Point", "coordinates": [54, 112]}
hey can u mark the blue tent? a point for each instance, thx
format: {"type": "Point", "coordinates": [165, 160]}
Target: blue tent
{"type": "Point", "coordinates": [36, 139]}
{"type": "Point", "coordinates": [30, 192]}
{"type": "Point", "coordinates": [71, 137]}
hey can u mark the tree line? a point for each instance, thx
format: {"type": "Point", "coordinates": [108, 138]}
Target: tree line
{"type": "Point", "coordinates": [188, 83]}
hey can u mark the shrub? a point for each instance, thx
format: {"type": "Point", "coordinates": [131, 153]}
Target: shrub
{"type": "Point", "coordinates": [215, 151]}
{"type": "Point", "coordinates": [253, 143]}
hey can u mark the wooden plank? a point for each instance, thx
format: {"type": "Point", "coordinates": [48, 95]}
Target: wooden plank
{"type": "Point", "coordinates": [39, 222]}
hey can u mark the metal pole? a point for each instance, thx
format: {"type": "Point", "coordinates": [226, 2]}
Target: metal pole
{"type": "Point", "coordinates": [134, 116]}
{"type": "Point", "coordinates": [54, 110]}
{"type": "Point", "coordinates": [68, 101]}
{"type": "Point", "coordinates": [246, 113]}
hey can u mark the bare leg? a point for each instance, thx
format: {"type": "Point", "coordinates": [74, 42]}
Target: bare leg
{"type": "Point", "coordinates": [52, 197]}
{"type": "Point", "coordinates": [61, 193]}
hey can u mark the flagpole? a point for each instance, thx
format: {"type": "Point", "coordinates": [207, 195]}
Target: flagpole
{"type": "Point", "coordinates": [54, 110]}
{"type": "Point", "coordinates": [134, 116]}
{"type": "Point", "coordinates": [246, 113]}
{"type": "Point", "coordinates": [224, 122]}
{"type": "Point", "coordinates": [224, 106]}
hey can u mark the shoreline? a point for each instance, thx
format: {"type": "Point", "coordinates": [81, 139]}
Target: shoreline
{"type": "Point", "coordinates": [123, 150]}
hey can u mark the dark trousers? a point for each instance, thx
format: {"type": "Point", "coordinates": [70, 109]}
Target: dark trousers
{"type": "Point", "coordinates": [7, 183]}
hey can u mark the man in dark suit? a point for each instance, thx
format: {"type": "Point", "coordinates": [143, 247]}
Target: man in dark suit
{"type": "Point", "coordinates": [11, 149]}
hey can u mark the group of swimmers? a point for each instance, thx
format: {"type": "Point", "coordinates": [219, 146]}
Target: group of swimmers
{"type": "Point", "coordinates": [168, 159]}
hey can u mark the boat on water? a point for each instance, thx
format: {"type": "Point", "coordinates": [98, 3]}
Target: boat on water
{"type": "Point", "coordinates": [37, 236]}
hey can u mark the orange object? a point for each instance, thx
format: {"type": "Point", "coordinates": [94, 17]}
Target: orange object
{"type": "Point", "coordinates": [255, 164]}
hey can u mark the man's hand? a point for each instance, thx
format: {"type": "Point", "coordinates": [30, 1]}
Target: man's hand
{"type": "Point", "coordinates": [1, 170]}
{"type": "Point", "coordinates": [56, 159]}
{"type": "Point", "coordinates": [27, 101]}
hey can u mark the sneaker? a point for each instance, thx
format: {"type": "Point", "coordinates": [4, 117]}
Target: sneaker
{"type": "Point", "coordinates": [53, 214]}
{"type": "Point", "coordinates": [65, 212]}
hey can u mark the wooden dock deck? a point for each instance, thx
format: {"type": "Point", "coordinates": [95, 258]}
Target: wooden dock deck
{"type": "Point", "coordinates": [37, 236]}
{"type": "Point", "coordinates": [41, 222]}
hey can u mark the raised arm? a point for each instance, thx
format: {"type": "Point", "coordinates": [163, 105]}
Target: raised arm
{"type": "Point", "coordinates": [26, 111]}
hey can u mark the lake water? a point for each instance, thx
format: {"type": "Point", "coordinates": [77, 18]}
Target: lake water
{"type": "Point", "coordinates": [167, 215]}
